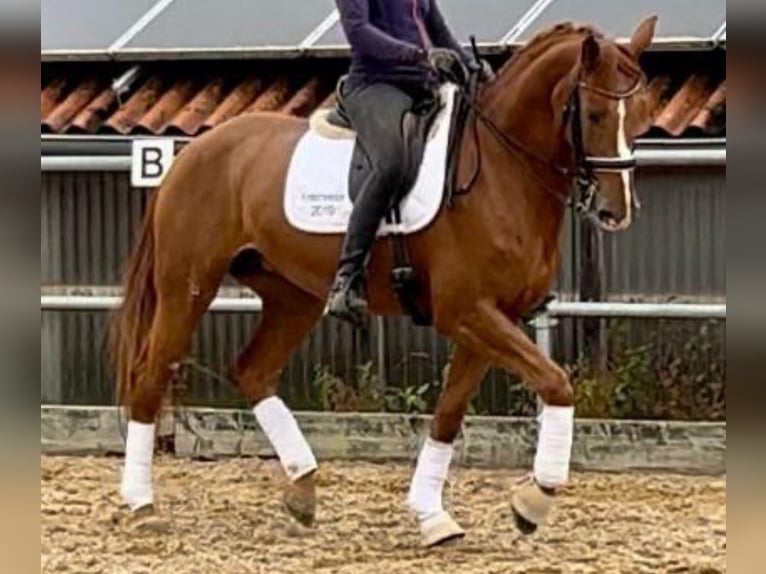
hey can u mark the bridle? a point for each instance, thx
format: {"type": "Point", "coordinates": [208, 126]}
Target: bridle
{"type": "Point", "coordinates": [585, 166]}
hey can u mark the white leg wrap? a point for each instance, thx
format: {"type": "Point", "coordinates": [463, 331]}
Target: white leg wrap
{"type": "Point", "coordinates": [554, 448]}
{"type": "Point", "coordinates": [137, 474]}
{"type": "Point", "coordinates": [286, 437]}
{"type": "Point", "coordinates": [425, 496]}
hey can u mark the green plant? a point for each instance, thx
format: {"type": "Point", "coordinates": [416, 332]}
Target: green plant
{"type": "Point", "coordinates": [334, 394]}
{"type": "Point", "coordinates": [370, 389]}
{"type": "Point", "coordinates": [677, 374]}
{"type": "Point", "coordinates": [366, 395]}
{"type": "Point", "coordinates": [412, 399]}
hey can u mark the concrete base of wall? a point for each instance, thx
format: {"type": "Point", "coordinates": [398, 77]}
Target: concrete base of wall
{"type": "Point", "coordinates": [607, 445]}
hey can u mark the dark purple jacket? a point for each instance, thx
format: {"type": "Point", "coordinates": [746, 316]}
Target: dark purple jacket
{"type": "Point", "coordinates": [389, 40]}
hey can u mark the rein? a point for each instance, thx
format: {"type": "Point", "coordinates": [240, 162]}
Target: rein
{"type": "Point", "coordinates": [511, 145]}
{"type": "Point", "coordinates": [585, 166]}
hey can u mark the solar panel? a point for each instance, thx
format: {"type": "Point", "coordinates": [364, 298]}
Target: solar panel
{"type": "Point", "coordinates": [678, 19]}
{"type": "Point", "coordinates": [75, 25]}
{"type": "Point", "coordinates": [488, 20]}
{"type": "Point", "coordinates": [721, 34]}
{"type": "Point", "coordinates": [334, 37]}
{"type": "Point", "coordinates": [231, 24]}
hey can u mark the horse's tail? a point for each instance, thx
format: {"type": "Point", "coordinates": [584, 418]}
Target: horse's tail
{"type": "Point", "coordinates": [130, 325]}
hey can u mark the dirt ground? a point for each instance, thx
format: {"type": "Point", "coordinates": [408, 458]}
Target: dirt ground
{"type": "Point", "coordinates": [226, 517]}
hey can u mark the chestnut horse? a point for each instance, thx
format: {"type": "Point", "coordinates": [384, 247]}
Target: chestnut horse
{"type": "Point", "coordinates": [561, 114]}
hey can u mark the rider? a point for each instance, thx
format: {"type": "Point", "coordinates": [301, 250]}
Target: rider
{"type": "Point", "coordinates": [396, 47]}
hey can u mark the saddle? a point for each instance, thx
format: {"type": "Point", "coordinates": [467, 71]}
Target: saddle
{"type": "Point", "coordinates": [417, 125]}
{"type": "Point", "coordinates": [337, 116]}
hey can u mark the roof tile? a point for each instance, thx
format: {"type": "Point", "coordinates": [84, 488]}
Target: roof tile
{"type": "Point", "coordinates": [306, 99]}
{"type": "Point", "coordinates": [50, 97]}
{"type": "Point", "coordinates": [92, 117]}
{"type": "Point", "coordinates": [712, 116]}
{"type": "Point", "coordinates": [162, 113]}
{"type": "Point", "coordinates": [273, 98]}
{"type": "Point", "coordinates": [59, 119]}
{"type": "Point", "coordinates": [192, 116]}
{"type": "Point", "coordinates": [236, 101]}
{"type": "Point", "coordinates": [686, 105]}
{"type": "Point", "coordinates": [128, 116]}
{"type": "Point", "coordinates": [689, 105]}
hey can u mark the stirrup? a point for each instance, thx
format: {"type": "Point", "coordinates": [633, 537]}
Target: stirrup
{"type": "Point", "coordinates": [339, 306]}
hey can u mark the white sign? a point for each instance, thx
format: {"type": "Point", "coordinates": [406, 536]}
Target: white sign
{"type": "Point", "coordinates": [151, 160]}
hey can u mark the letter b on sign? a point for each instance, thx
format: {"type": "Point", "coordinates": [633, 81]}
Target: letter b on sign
{"type": "Point", "coordinates": [151, 160]}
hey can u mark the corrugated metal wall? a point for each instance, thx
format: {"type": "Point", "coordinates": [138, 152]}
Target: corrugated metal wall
{"type": "Point", "coordinates": [677, 247]}
{"type": "Point", "coordinates": [75, 372]}
{"type": "Point", "coordinates": [88, 220]}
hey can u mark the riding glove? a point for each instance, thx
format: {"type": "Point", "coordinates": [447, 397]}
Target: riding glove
{"type": "Point", "coordinates": [448, 65]}
{"type": "Point", "coordinates": [483, 68]}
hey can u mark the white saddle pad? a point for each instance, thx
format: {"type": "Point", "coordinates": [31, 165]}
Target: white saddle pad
{"type": "Point", "coordinates": [317, 191]}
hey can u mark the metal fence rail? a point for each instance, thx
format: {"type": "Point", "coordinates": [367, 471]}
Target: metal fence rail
{"type": "Point", "coordinates": [108, 303]}
{"type": "Point", "coordinates": [646, 156]}
{"type": "Point", "coordinates": [638, 310]}
{"type": "Point", "coordinates": [544, 324]}
{"type": "Point", "coordinates": [556, 309]}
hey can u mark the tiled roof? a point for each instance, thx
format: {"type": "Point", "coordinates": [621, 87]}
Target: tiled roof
{"type": "Point", "coordinates": [692, 104]}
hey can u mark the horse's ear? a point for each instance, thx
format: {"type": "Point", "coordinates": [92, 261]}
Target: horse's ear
{"type": "Point", "coordinates": [591, 52]}
{"type": "Point", "coordinates": [643, 36]}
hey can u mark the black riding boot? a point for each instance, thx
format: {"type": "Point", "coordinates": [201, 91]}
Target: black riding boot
{"type": "Point", "coordinates": [347, 299]}
{"type": "Point", "coordinates": [376, 112]}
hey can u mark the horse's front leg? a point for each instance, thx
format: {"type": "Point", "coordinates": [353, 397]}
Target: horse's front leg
{"type": "Point", "coordinates": [489, 332]}
{"type": "Point", "coordinates": [462, 378]}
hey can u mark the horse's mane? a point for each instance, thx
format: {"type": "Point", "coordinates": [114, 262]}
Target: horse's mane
{"type": "Point", "coordinates": [547, 38]}
{"type": "Point", "coordinates": [543, 40]}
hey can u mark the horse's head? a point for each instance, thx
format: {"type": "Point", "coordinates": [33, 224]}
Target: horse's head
{"type": "Point", "coordinates": [604, 112]}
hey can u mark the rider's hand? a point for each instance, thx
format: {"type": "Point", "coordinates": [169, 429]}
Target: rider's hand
{"type": "Point", "coordinates": [483, 69]}
{"type": "Point", "coordinates": [448, 64]}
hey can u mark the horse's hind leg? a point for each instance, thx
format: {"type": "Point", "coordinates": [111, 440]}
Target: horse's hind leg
{"type": "Point", "coordinates": [289, 313]}
{"type": "Point", "coordinates": [176, 316]}
{"type": "Point", "coordinates": [466, 370]}
{"type": "Point", "coordinates": [169, 340]}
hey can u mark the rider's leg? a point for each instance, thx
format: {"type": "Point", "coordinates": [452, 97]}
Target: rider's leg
{"type": "Point", "coordinates": [376, 112]}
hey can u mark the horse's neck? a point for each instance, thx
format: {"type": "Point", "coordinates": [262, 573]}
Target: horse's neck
{"type": "Point", "coordinates": [520, 192]}
{"type": "Point", "coordinates": [522, 101]}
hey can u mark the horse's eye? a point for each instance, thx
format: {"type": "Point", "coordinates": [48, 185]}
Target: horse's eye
{"type": "Point", "coordinates": [595, 117]}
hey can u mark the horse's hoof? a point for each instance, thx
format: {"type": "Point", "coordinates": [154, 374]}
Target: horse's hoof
{"type": "Point", "coordinates": [440, 530]}
{"type": "Point", "coordinates": [531, 506]}
{"type": "Point", "coordinates": [146, 520]}
{"type": "Point", "coordinates": [526, 527]}
{"type": "Point", "coordinates": [300, 500]}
